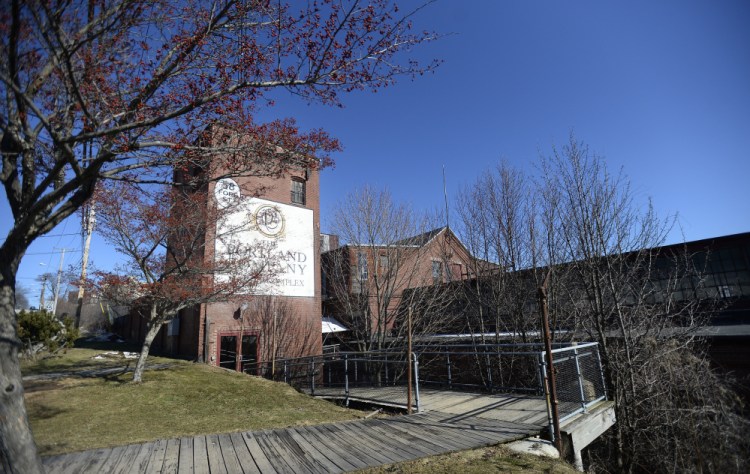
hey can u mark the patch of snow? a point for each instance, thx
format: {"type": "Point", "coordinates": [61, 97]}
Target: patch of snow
{"type": "Point", "coordinates": [536, 446]}
{"type": "Point", "coordinates": [117, 355]}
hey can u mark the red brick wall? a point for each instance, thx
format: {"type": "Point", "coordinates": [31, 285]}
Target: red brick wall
{"type": "Point", "coordinates": [303, 334]}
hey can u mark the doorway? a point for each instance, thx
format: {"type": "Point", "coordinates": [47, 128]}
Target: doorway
{"type": "Point", "coordinates": [239, 353]}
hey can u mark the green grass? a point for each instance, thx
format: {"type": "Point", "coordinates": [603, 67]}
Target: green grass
{"type": "Point", "coordinates": [478, 461]}
{"type": "Point", "coordinates": [74, 413]}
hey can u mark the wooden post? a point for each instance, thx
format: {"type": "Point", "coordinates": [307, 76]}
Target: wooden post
{"type": "Point", "coordinates": [550, 368]}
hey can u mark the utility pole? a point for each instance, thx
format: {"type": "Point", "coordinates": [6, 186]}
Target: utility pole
{"type": "Point", "coordinates": [41, 296]}
{"type": "Point", "coordinates": [445, 195]}
{"type": "Point", "coordinates": [88, 214]}
{"type": "Point", "coordinates": [57, 287]}
{"type": "Point", "coordinates": [88, 229]}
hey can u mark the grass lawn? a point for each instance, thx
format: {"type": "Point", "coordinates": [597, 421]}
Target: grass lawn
{"type": "Point", "coordinates": [75, 413]}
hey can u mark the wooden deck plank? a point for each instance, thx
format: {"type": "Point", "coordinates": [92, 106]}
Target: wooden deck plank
{"type": "Point", "coordinates": [54, 463]}
{"type": "Point", "coordinates": [140, 460]}
{"type": "Point", "coordinates": [65, 461]}
{"type": "Point", "coordinates": [308, 440]}
{"type": "Point", "coordinates": [447, 436]}
{"type": "Point", "coordinates": [356, 446]}
{"type": "Point", "coordinates": [468, 431]}
{"type": "Point", "coordinates": [171, 457]}
{"type": "Point", "coordinates": [483, 434]}
{"type": "Point", "coordinates": [420, 428]}
{"type": "Point", "coordinates": [425, 448]}
{"type": "Point", "coordinates": [390, 442]}
{"type": "Point", "coordinates": [410, 430]}
{"type": "Point", "coordinates": [185, 459]}
{"type": "Point", "coordinates": [76, 463]}
{"type": "Point", "coordinates": [243, 454]}
{"type": "Point", "coordinates": [332, 443]}
{"type": "Point", "coordinates": [303, 456]}
{"type": "Point", "coordinates": [98, 458]}
{"type": "Point", "coordinates": [361, 454]}
{"type": "Point", "coordinates": [200, 455]}
{"type": "Point", "coordinates": [256, 451]}
{"type": "Point", "coordinates": [215, 459]}
{"type": "Point", "coordinates": [156, 461]}
{"type": "Point", "coordinates": [356, 439]}
{"type": "Point", "coordinates": [126, 459]}
{"type": "Point", "coordinates": [112, 459]}
{"type": "Point", "coordinates": [471, 434]}
{"type": "Point", "coordinates": [281, 461]}
{"type": "Point", "coordinates": [231, 462]}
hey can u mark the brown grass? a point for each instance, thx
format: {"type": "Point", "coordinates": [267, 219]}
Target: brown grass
{"type": "Point", "coordinates": [75, 413]}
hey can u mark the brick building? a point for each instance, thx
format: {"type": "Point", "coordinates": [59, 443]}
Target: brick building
{"type": "Point", "coordinates": [281, 317]}
{"type": "Point", "coordinates": [364, 285]}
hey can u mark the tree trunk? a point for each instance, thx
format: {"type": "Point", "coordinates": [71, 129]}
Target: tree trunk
{"type": "Point", "coordinates": [152, 329]}
{"type": "Point", "coordinates": [18, 453]}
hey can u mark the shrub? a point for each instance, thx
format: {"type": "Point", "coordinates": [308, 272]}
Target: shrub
{"type": "Point", "coordinates": [42, 330]}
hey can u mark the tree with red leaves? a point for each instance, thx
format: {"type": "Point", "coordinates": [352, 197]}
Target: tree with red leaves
{"type": "Point", "coordinates": [162, 235]}
{"type": "Point", "coordinates": [98, 90]}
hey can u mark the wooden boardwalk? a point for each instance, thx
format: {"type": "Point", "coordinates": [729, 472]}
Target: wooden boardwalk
{"type": "Point", "coordinates": [449, 422]}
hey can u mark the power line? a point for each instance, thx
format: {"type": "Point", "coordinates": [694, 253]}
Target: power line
{"type": "Point", "coordinates": [52, 235]}
{"type": "Point", "coordinates": [50, 253]}
{"type": "Point", "coordinates": [58, 235]}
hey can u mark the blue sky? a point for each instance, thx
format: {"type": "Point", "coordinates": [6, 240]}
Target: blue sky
{"type": "Point", "coordinates": [661, 89]}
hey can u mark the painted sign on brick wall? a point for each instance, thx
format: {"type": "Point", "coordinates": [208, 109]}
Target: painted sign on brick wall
{"type": "Point", "coordinates": [269, 232]}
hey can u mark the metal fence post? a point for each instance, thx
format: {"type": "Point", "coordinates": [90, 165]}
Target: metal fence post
{"type": "Point", "coordinates": [416, 381]}
{"type": "Point", "coordinates": [601, 372]}
{"type": "Point", "coordinates": [312, 377]}
{"type": "Point", "coordinates": [547, 396]}
{"type": "Point", "coordinates": [448, 365]}
{"type": "Point", "coordinates": [386, 368]}
{"type": "Point", "coordinates": [346, 379]}
{"type": "Point", "coordinates": [489, 369]}
{"type": "Point", "coordinates": [286, 373]}
{"type": "Point", "coordinates": [580, 378]}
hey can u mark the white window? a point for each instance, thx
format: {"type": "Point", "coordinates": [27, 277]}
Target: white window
{"type": "Point", "coordinates": [362, 265]}
{"type": "Point", "coordinates": [298, 191]}
{"type": "Point", "coordinates": [437, 271]}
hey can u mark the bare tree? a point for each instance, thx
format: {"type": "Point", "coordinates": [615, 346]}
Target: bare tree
{"type": "Point", "coordinates": [388, 249]}
{"type": "Point", "coordinates": [610, 283]}
{"type": "Point", "coordinates": [281, 334]}
{"type": "Point", "coordinates": [162, 234]}
{"type": "Point", "coordinates": [622, 293]}
{"type": "Point", "coordinates": [498, 223]}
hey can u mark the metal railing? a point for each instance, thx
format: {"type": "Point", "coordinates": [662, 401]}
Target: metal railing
{"type": "Point", "coordinates": [380, 377]}
{"type": "Point", "coordinates": [579, 377]}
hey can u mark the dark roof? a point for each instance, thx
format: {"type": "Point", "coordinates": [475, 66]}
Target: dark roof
{"type": "Point", "coordinates": [421, 239]}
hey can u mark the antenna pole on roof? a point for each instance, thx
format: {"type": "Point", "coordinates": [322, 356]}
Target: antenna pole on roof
{"type": "Point", "coordinates": [445, 194]}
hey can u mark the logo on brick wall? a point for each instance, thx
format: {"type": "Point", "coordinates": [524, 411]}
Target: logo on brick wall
{"type": "Point", "coordinates": [227, 192]}
{"type": "Point", "coordinates": [270, 221]}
